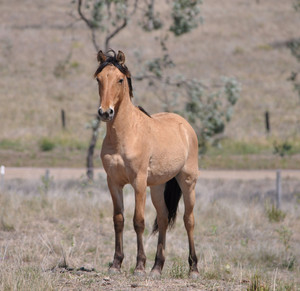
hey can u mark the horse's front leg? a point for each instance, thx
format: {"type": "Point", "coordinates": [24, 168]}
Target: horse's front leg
{"type": "Point", "coordinates": [157, 196]}
{"type": "Point", "coordinates": [117, 198]}
{"type": "Point", "coordinates": [140, 185]}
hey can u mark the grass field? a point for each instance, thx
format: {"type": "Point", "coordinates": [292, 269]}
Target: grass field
{"type": "Point", "coordinates": [66, 150]}
{"type": "Point", "coordinates": [59, 236]}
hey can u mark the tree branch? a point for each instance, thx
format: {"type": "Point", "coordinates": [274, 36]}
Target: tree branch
{"type": "Point", "coordinates": [89, 25]}
{"type": "Point", "coordinates": [87, 21]}
{"type": "Point", "coordinates": [134, 7]}
{"type": "Point", "coordinates": [114, 33]}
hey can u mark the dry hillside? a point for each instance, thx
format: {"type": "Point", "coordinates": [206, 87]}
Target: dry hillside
{"type": "Point", "coordinates": [47, 61]}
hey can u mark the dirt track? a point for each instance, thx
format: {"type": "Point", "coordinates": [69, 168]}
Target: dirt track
{"type": "Point", "coordinates": [76, 173]}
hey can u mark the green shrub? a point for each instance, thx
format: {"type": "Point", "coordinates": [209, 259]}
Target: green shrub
{"type": "Point", "coordinates": [46, 144]}
{"type": "Point", "coordinates": [282, 148]}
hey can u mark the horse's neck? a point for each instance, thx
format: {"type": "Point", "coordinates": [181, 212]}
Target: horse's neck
{"type": "Point", "coordinates": [120, 128]}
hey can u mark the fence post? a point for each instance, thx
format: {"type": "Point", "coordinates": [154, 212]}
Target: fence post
{"type": "Point", "coordinates": [47, 175]}
{"type": "Point", "coordinates": [278, 189]}
{"type": "Point", "coordinates": [267, 121]}
{"type": "Point", "coordinates": [2, 173]}
{"type": "Point", "coordinates": [63, 119]}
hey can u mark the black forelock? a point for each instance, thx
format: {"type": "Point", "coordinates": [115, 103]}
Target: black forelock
{"type": "Point", "coordinates": [112, 60]}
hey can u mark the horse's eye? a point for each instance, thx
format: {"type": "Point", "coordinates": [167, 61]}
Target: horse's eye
{"type": "Point", "coordinates": [121, 81]}
{"type": "Point", "coordinates": [98, 81]}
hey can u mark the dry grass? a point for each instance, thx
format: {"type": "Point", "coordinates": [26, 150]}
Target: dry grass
{"type": "Point", "coordinates": [62, 238]}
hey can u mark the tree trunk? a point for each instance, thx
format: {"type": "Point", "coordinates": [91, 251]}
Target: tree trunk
{"type": "Point", "coordinates": [90, 155]}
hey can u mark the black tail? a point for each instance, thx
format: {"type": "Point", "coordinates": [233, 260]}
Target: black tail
{"type": "Point", "coordinates": [172, 195]}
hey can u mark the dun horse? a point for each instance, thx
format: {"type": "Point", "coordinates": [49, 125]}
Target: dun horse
{"type": "Point", "coordinates": [160, 151]}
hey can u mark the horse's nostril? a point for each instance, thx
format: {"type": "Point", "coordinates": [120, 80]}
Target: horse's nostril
{"type": "Point", "coordinates": [110, 111]}
{"type": "Point", "coordinates": [106, 115]}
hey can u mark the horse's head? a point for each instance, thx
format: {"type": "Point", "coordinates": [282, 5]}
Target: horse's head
{"type": "Point", "coordinates": [114, 82]}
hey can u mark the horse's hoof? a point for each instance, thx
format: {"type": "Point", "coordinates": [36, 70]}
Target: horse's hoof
{"type": "Point", "coordinates": [154, 274]}
{"type": "Point", "coordinates": [194, 275]}
{"type": "Point", "coordinates": [114, 271]}
{"type": "Point", "coordinates": [139, 273]}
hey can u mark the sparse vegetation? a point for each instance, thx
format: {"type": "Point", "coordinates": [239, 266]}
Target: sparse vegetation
{"type": "Point", "coordinates": [46, 144]}
{"type": "Point", "coordinates": [274, 214]}
{"type": "Point", "coordinates": [66, 238]}
{"type": "Point", "coordinates": [285, 236]}
{"type": "Point", "coordinates": [210, 113]}
{"type": "Point", "coordinates": [8, 144]}
{"type": "Point", "coordinates": [256, 284]}
{"type": "Point", "coordinates": [178, 269]}
{"type": "Point", "coordinates": [282, 149]}
{"type": "Point", "coordinates": [70, 151]}
{"type": "Point", "coordinates": [294, 46]}
{"type": "Point", "coordinates": [4, 226]}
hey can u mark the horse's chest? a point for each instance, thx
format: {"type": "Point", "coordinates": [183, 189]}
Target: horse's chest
{"type": "Point", "coordinates": [113, 163]}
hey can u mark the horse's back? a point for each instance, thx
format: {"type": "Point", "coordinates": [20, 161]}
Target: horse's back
{"type": "Point", "coordinates": [175, 123]}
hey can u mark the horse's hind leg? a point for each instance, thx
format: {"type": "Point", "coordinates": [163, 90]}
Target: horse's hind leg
{"type": "Point", "coordinates": [117, 198]}
{"type": "Point", "coordinates": [157, 196]}
{"type": "Point", "coordinates": [187, 183]}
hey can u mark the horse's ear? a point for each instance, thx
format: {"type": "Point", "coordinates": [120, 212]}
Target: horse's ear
{"type": "Point", "coordinates": [101, 57]}
{"type": "Point", "coordinates": [121, 58]}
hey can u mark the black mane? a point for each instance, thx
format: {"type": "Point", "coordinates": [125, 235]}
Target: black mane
{"type": "Point", "coordinates": [112, 60]}
{"type": "Point", "coordinates": [144, 111]}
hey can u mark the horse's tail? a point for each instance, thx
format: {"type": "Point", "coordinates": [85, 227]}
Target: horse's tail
{"type": "Point", "coordinates": [172, 195]}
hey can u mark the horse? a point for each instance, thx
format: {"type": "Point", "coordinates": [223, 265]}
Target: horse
{"type": "Point", "coordinates": [159, 151]}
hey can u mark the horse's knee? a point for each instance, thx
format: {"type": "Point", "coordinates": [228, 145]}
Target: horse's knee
{"type": "Point", "coordinates": [118, 222]}
{"type": "Point", "coordinates": [139, 224]}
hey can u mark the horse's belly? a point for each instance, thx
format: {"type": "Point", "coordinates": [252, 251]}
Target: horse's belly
{"type": "Point", "coordinates": [163, 170]}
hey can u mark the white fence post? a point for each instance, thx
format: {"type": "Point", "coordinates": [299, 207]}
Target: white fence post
{"type": "Point", "coordinates": [278, 189]}
{"type": "Point", "coordinates": [47, 175]}
{"type": "Point", "coordinates": [2, 173]}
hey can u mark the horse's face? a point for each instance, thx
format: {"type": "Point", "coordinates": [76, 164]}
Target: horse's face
{"type": "Point", "coordinates": [112, 82]}
{"type": "Point", "coordinates": [111, 90]}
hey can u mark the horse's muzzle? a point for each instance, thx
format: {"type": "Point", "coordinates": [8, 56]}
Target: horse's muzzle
{"type": "Point", "coordinates": [106, 115]}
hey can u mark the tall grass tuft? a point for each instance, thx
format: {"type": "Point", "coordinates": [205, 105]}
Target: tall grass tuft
{"type": "Point", "coordinates": [256, 284]}
{"type": "Point", "coordinates": [274, 214]}
{"type": "Point", "coordinates": [178, 270]}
